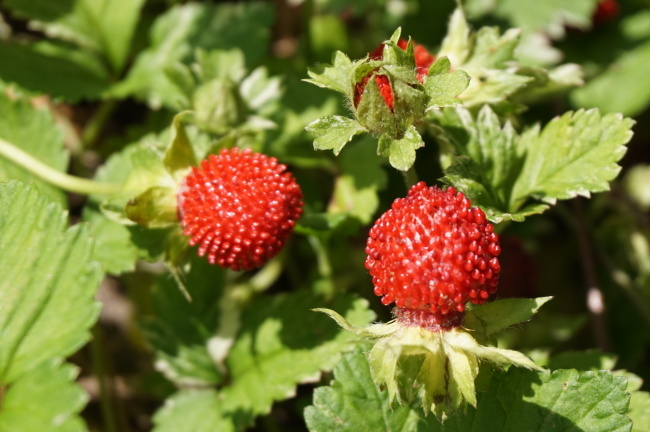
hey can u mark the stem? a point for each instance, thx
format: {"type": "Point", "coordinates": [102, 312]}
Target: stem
{"type": "Point", "coordinates": [97, 122]}
{"type": "Point", "coordinates": [410, 177]}
{"type": "Point", "coordinates": [595, 299]}
{"type": "Point", "coordinates": [61, 180]}
{"type": "Point", "coordinates": [99, 366]}
{"type": "Point", "coordinates": [324, 265]}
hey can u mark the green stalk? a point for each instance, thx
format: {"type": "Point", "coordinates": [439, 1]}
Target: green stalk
{"type": "Point", "coordinates": [410, 177]}
{"type": "Point", "coordinates": [100, 369]}
{"type": "Point", "coordinates": [94, 127]}
{"type": "Point", "coordinates": [56, 178]}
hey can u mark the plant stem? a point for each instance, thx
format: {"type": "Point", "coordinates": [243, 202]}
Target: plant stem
{"type": "Point", "coordinates": [595, 299]}
{"type": "Point", "coordinates": [97, 122]}
{"type": "Point", "coordinates": [61, 180]}
{"type": "Point", "coordinates": [99, 366]}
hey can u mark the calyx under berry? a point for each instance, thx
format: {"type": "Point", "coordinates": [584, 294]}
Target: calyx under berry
{"type": "Point", "coordinates": [239, 207]}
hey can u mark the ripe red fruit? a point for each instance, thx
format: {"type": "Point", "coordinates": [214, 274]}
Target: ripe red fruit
{"type": "Point", "coordinates": [431, 253]}
{"type": "Point", "coordinates": [423, 60]}
{"type": "Point", "coordinates": [239, 207]}
{"type": "Point", "coordinates": [606, 11]}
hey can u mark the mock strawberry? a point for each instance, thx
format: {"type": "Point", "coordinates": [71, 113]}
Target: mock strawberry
{"type": "Point", "coordinates": [430, 254]}
{"type": "Point", "coordinates": [606, 11]}
{"type": "Point", "coordinates": [239, 207]}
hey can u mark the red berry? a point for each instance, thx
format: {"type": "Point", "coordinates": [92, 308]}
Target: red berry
{"type": "Point", "coordinates": [239, 207]}
{"type": "Point", "coordinates": [430, 254]}
{"type": "Point", "coordinates": [423, 60]}
{"type": "Point", "coordinates": [606, 11]}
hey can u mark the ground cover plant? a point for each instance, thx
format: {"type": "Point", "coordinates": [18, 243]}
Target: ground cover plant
{"type": "Point", "coordinates": [316, 215]}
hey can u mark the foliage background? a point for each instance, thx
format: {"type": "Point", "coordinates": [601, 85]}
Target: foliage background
{"type": "Point", "coordinates": [91, 87]}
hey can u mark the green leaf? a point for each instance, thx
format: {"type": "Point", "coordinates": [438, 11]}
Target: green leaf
{"type": "Point", "coordinates": [622, 87]}
{"type": "Point", "coordinates": [442, 86]}
{"type": "Point", "coordinates": [639, 411]}
{"type": "Point", "coordinates": [181, 331]}
{"type": "Point", "coordinates": [73, 74]}
{"type": "Point", "coordinates": [184, 28]}
{"type": "Point", "coordinates": [352, 402]}
{"type": "Point", "coordinates": [401, 152]}
{"type": "Point", "coordinates": [519, 400]}
{"type": "Point", "coordinates": [335, 76]}
{"type": "Point", "coordinates": [500, 314]}
{"type": "Point", "coordinates": [105, 27]}
{"type": "Point", "coordinates": [28, 404]}
{"type": "Point", "coordinates": [575, 154]}
{"type": "Point", "coordinates": [500, 171]}
{"type": "Point", "coordinates": [281, 344]}
{"type": "Point", "coordinates": [334, 132]}
{"type": "Point", "coordinates": [48, 296]}
{"type": "Point", "coordinates": [193, 410]}
{"type": "Point", "coordinates": [582, 360]}
{"type": "Point", "coordinates": [35, 132]}
{"type": "Point", "coordinates": [180, 154]}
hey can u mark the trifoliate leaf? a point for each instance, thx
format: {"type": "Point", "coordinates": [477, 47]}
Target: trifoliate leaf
{"type": "Point", "coordinates": [35, 132]}
{"type": "Point", "coordinates": [334, 132]}
{"type": "Point", "coordinates": [500, 171]}
{"type": "Point", "coordinates": [28, 403]}
{"type": "Point", "coordinates": [184, 28]}
{"type": "Point", "coordinates": [575, 154]}
{"type": "Point", "coordinates": [73, 74]}
{"type": "Point", "coordinates": [48, 285]}
{"type": "Point", "coordinates": [267, 361]}
{"type": "Point", "coordinates": [622, 87]}
{"type": "Point", "coordinates": [335, 76]}
{"type": "Point", "coordinates": [493, 317]}
{"type": "Point", "coordinates": [104, 27]}
{"type": "Point", "coordinates": [442, 86]}
{"type": "Point", "coordinates": [352, 402]}
{"type": "Point", "coordinates": [401, 152]}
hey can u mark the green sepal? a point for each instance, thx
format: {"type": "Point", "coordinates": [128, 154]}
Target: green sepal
{"type": "Point", "coordinates": [401, 152]}
{"type": "Point", "coordinates": [334, 132]}
{"type": "Point", "coordinates": [180, 154]}
{"type": "Point", "coordinates": [154, 208]}
{"type": "Point", "coordinates": [490, 318]}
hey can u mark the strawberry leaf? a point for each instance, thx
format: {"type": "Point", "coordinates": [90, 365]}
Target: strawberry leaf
{"type": "Point", "coordinates": [28, 405]}
{"type": "Point", "coordinates": [176, 34]}
{"type": "Point", "coordinates": [334, 132]}
{"type": "Point", "coordinates": [35, 132]}
{"type": "Point", "coordinates": [48, 304]}
{"type": "Point", "coordinates": [443, 86]}
{"type": "Point", "coordinates": [105, 27]}
{"type": "Point", "coordinates": [335, 76]}
{"type": "Point", "coordinates": [352, 402]}
{"type": "Point", "coordinates": [267, 361]}
{"type": "Point", "coordinates": [401, 152]}
{"type": "Point", "coordinates": [575, 154]}
{"type": "Point", "coordinates": [501, 171]}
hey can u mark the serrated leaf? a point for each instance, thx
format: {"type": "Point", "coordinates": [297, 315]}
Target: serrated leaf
{"type": "Point", "coordinates": [334, 132]}
{"type": "Point", "coordinates": [28, 405]}
{"type": "Point", "coordinates": [443, 86]}
{"type": "Point", "coordinates": [184, 28]}
{"type": "Point", "coordinates": [335, 76]}
{"type": "Point", "coordinates": [181, 330]}
{"type": "Point", "coordinates": [73, 74]}
{"type": "Point", "coordinates": [35, 132]}
{"type": "Point", "coordinates": [282, 343]}
{"type": "Point", "coordinates": [401, 152]}
{"type": "Point", "coordinates": [500, 314]}
{"type": "Point", "coordinates": [575, 154]}
{"type": "Point", "coordinates": [105, 27]}
{"type": "Point", "coordinates": [352, 402]}
{"type": "Point", "coordinates": [457, 43]}
{"type": "Point", "coordinates": [48, 285]}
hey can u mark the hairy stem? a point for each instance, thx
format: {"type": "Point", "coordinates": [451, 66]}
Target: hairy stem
{"type": "Point", "coordinates": [56, 178]}
{"type": "Point", "coordinates": [105, 389]}
{"type": "Point", "coordinates": [94, 127]}
{"type": "Point", "coordinates": [595, 300]}
{"type": "Point", "coordinates": [410, 177]}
